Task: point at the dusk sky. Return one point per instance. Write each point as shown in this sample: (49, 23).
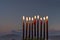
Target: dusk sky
(12, 11)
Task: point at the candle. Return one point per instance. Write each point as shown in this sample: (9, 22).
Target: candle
(46, 27)
(26, 27)
(23, 26)
(29, 26)
(32, 28)
(40, 28)
(35, 26)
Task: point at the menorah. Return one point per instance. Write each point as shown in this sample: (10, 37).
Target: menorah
(35, 28)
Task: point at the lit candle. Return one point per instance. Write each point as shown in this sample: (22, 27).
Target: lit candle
(23, 26)
(26, 27)
(40, 28)
(32, 28)
(46, 27)
(35, 26)
(29, 26)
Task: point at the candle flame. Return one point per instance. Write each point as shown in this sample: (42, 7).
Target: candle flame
(34, 17)
(37, 16)
(46, 17)
(29, 18)
(26, 18)
(43, 18)
(23, 17)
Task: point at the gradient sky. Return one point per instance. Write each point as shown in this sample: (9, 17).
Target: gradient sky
(11, 12)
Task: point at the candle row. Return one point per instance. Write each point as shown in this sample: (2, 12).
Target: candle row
(35, 17)
(36, 21)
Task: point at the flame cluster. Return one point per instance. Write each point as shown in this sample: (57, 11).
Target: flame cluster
(35, 17)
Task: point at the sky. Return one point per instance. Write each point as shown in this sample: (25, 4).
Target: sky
(11, 12)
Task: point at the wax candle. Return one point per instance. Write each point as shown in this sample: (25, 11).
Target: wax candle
(29, 26)
(26, 27)
(35, 26)
(23, 26)
(32, 28)
(40, 28)
(46, 27)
